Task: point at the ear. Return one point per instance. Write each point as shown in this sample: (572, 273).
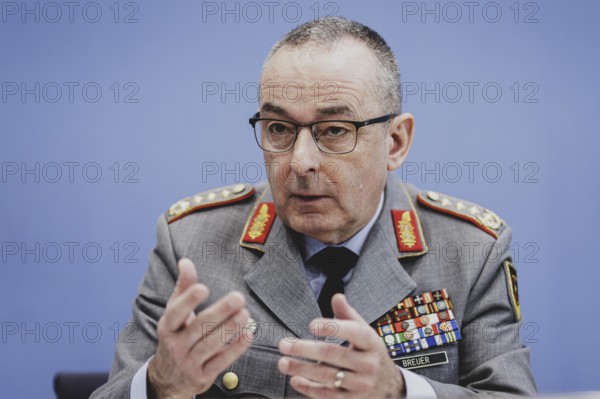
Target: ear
(400, 137)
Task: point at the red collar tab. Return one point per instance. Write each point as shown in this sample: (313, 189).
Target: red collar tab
(260, 225)
(407, 231)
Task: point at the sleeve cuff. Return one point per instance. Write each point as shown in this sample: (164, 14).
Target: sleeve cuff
(417, 387)
(138, 384)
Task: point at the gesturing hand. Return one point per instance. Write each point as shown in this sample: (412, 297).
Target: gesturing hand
(362, 370)
(191, 348)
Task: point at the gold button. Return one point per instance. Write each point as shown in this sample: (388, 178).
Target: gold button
(433, 196)
(230, 380)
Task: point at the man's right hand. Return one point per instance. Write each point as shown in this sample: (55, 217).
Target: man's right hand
(194, 349)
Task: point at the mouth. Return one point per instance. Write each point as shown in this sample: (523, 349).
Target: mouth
(307, 198)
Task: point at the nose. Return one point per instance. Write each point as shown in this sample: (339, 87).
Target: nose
(305, 153)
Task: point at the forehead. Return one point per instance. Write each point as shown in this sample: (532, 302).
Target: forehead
(342, 75)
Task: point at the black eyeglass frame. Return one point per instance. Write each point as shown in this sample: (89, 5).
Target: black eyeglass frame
(256, 118)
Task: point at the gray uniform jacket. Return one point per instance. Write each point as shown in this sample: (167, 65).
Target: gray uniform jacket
(452, 245)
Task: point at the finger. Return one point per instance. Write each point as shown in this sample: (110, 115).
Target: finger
(229, 354)
(179, 308)
(213, 316)
(332, 354)
(191, 317)
(214, 341)
(342, 309)
(315, 389)
(360, 335)
(187, 276)
(318, 372)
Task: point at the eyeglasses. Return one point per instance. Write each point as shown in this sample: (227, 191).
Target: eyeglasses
(331, 137)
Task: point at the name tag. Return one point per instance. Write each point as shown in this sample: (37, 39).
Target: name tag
(417, 362)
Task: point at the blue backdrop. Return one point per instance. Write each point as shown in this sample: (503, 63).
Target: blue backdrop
(111, 111)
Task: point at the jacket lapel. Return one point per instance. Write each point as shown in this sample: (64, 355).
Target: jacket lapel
(379, 281)
(279, 281)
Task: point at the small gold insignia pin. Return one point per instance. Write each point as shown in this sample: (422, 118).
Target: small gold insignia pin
(251, 326)
(238, 188)
(433, 196)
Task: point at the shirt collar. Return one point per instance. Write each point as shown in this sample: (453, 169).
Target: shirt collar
(310, 246)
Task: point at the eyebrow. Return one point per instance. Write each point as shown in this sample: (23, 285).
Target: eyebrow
(272, 108)
(327, 111)
(336, 110)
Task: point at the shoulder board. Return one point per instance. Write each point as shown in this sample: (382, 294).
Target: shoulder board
(481, 217)
(209, 199)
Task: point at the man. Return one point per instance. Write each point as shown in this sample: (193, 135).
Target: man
(239, 298)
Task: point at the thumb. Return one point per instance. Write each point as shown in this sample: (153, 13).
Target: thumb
(187, 276)
(342, 309)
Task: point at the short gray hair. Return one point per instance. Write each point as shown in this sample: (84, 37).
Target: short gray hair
(331, 30)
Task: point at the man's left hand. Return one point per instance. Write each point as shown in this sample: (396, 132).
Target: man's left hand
(362, 369)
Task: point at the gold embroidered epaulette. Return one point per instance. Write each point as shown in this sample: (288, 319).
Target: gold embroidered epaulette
(481, 217)
(209, 199)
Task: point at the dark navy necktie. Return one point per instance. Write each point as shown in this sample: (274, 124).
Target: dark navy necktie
(334, 262)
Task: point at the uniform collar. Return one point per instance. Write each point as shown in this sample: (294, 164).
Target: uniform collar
(311, 246)
(395, 198)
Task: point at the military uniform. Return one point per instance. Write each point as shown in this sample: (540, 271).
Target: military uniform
(434, 279)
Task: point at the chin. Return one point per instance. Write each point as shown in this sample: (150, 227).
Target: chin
(315, 226)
